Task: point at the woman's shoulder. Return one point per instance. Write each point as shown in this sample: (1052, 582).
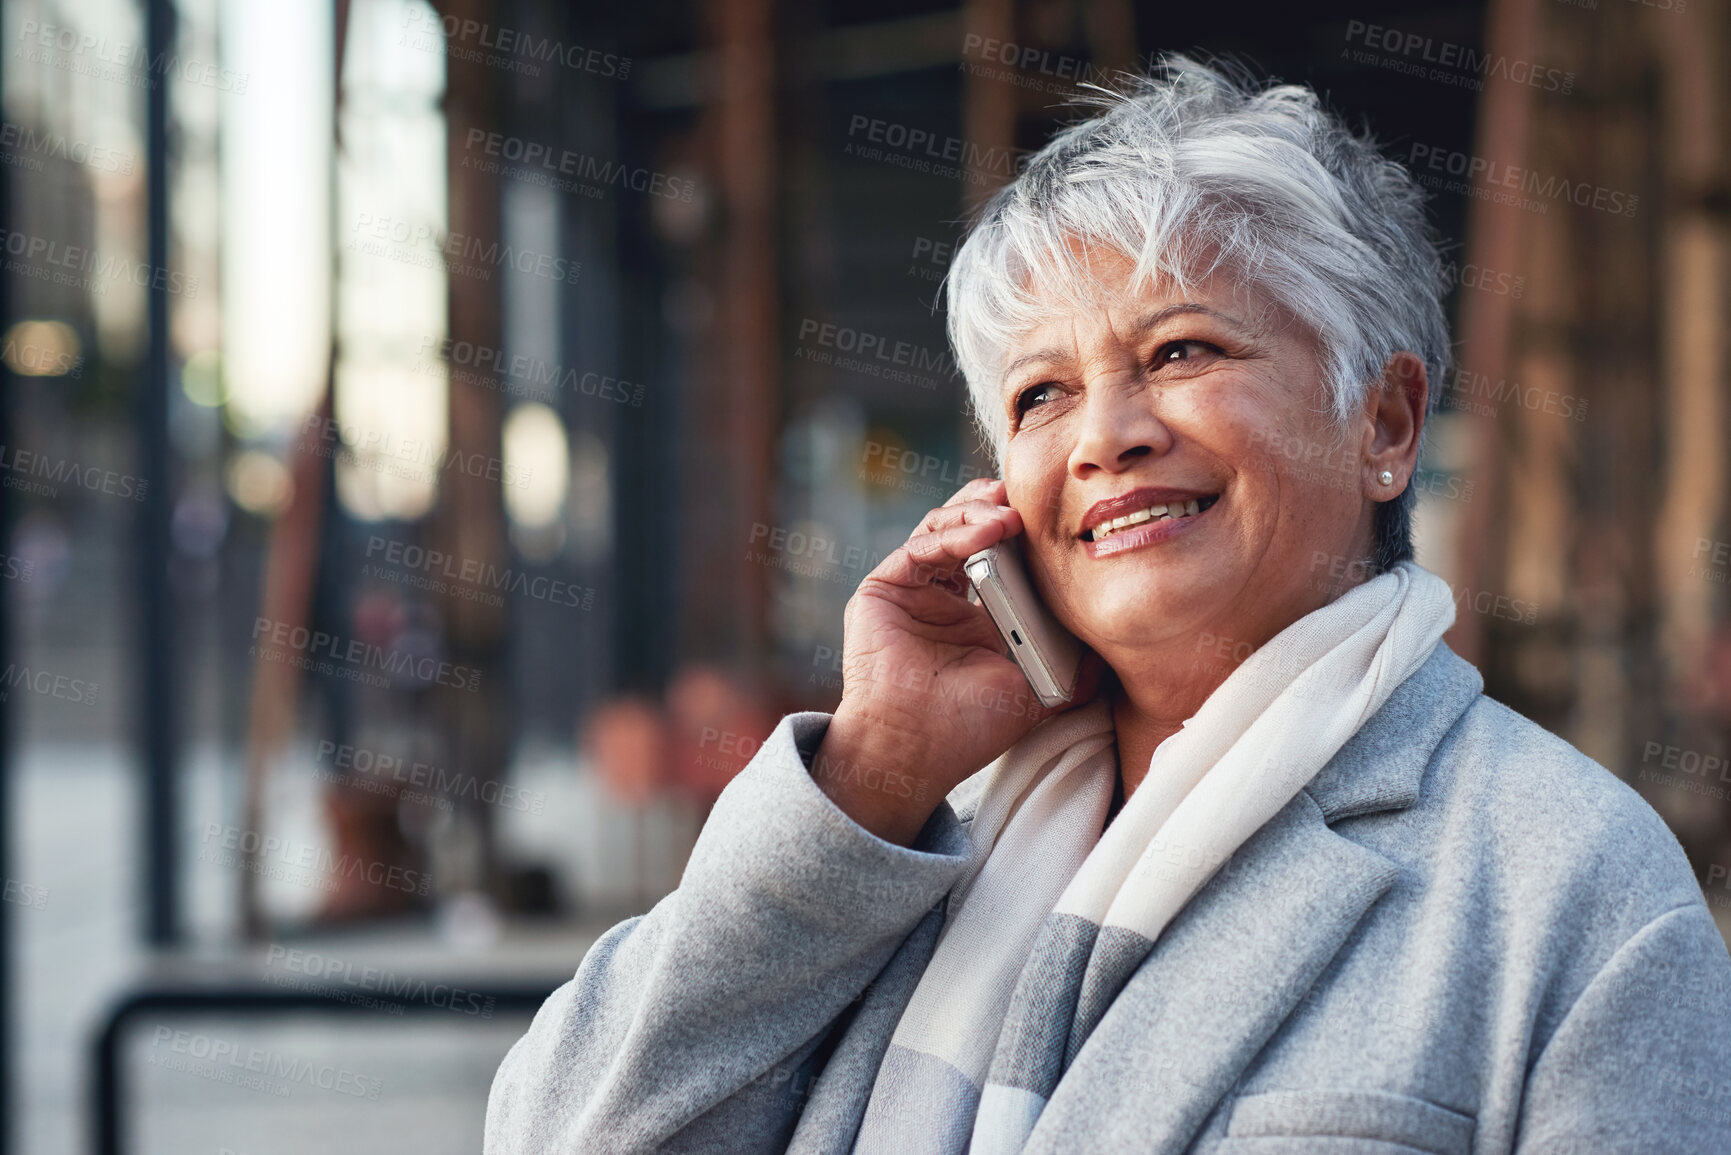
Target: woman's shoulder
(1498, 752)
(1546, 811)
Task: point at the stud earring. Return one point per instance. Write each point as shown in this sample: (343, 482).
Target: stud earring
(1386, 477)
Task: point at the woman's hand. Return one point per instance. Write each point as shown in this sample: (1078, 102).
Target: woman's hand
(928, 696)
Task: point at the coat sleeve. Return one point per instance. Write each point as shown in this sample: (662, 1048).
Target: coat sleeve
(1642, 1061)
(687, 1028)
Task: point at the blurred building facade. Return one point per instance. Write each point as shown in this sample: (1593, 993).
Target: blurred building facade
(564, 368)
(667, 279)
(1596, 398)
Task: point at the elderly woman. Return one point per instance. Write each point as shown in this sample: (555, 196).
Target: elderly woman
(1282, 879)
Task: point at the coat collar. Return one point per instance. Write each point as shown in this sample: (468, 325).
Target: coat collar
(1380, 767)
(1230, 969)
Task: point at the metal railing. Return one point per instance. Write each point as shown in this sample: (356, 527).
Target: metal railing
(108, 1092)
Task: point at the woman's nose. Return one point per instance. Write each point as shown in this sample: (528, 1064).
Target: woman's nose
(1117, 425)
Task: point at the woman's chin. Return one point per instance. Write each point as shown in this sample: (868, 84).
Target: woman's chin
(1151, 611)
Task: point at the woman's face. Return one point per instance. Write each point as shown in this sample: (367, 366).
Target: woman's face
(1209, 410)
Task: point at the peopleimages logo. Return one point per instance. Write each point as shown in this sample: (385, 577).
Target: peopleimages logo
(39, 360)
(78, 266)
(437, 565)
(1031, 59)
(1718, 554)
(117, 60)
(24, 894)
(526, 376)
(873, 345)
(896, 467)
(433, 31)
(251, 1067)
(816, 553)
(922, 150)
(236, 845)
(581, 166)
(1028, 67)
(409, 456)
(38, 473)
(461, 254)
(1459, 58)
(58, 146)
(870, 354)
(358, 760)
(46, 683)
(930, 259)
(1339, 567)
(1529, 182)
(327, 969)
(1465, 391)
(1471, 276)
(310, 645)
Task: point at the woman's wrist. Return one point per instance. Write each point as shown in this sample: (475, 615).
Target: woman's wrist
(875, 775)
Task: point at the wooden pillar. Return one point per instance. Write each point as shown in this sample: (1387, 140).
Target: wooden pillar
(1692, 314)
(1493, 241)
(733, 409)
(291, 563)
(469, 520)
(988, 103)
(1112, 36)
(988, 124)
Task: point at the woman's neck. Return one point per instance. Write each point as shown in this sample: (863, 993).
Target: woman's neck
(1155, 689)
(1156, 708)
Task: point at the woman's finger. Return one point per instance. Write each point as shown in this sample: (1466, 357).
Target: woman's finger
(938, 555)
(976, 510)
(959, 541)
(980, 489)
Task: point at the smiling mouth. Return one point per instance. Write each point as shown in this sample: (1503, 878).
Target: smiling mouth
(1159, 511)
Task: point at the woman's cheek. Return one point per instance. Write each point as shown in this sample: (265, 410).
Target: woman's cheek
(1035, 468)
(1020, 492)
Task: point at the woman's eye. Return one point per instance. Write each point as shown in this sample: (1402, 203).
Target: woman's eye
(1035, 395)
(1179, 352)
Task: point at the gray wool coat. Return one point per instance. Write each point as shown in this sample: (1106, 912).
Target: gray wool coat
(1464, 936)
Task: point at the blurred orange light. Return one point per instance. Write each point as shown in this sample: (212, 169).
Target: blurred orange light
(42, 349)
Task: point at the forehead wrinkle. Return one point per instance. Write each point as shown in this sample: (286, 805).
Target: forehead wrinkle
(1050, 354)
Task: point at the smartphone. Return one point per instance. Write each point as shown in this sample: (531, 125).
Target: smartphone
(1049, 654)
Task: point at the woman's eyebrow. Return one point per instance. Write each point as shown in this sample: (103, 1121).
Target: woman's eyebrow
(1142, 325)
(1160, 316)
(1052, 354)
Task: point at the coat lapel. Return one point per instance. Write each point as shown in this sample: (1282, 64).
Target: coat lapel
(1217, 985)
(1238, 959)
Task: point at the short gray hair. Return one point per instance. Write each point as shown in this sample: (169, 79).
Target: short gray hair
(1199, 167)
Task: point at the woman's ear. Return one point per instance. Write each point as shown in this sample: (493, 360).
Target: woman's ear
(1396, 409)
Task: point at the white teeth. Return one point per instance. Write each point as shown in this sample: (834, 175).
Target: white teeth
(1152, 513)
